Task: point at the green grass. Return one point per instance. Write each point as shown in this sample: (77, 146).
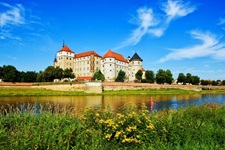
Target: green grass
(29, 91)
(195, 127)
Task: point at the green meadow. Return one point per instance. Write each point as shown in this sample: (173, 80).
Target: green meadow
(55, 127)
(29, 91)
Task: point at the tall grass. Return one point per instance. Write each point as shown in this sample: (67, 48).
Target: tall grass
(56, 127)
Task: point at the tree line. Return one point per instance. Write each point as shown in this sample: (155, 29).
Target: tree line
(9, 73)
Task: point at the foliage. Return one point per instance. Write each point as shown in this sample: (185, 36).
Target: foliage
(55, 127)
(169, 76)
(188, 78)
(223, 82)
(149, 76)
(215, 83)
(161, 76)
(68, 73)
(98, 76)
(138, 75)
(181, 78)
(195, 80)
(120, 76)
(10, 73)
(206, 82)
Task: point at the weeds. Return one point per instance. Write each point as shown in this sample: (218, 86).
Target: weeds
(59, 127)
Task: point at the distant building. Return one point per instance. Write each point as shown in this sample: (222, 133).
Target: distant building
(85, 64)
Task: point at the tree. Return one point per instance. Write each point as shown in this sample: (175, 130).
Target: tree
(58, 73)
(40, 77)
(10, 74)
(169, 76)
(30, 76)
(48, 74)
(149, 76)
(214, 83)
(161, 76)
(223, 82)
(138, 75)
(188, 78)
(68, 73)
(98, 76)
(121, 76)
(181, 78)
(1, 72)
(195, 80)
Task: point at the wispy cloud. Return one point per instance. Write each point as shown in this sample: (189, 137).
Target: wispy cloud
(13, 16)
(221, 21)
(210, 47)
(156, 24)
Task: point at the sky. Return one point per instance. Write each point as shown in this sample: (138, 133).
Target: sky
(179, 35)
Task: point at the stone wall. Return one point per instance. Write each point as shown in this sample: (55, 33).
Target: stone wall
(89, 87)
(145, 86)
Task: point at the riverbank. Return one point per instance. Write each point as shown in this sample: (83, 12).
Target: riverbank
(98, 129)
(32, 91)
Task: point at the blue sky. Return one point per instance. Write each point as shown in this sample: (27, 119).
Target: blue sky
(183, 36)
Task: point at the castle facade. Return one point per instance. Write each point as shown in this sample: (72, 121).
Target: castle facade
(85, 64)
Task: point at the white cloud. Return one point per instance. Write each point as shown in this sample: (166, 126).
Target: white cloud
(221, 21)
(156, 24)
(13, 16)
(209, 47)
(176, 9)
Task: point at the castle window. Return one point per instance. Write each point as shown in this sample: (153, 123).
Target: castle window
(138, 62)
(67, 58)
(102, 65)
(110, 70)
(132, 62)
(110, 59)
(110, 64)
(87, 68)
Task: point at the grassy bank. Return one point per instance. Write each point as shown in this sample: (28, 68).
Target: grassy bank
(28, 91)
(59, 128)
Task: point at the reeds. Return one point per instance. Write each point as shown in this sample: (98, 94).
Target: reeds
(59, 127)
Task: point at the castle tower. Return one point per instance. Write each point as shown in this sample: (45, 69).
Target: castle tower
(135, 64)
(65, 58)
(111, 64)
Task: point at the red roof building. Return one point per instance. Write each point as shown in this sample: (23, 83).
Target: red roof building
(111, 54)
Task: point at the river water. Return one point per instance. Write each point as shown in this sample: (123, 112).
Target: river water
(115, 102)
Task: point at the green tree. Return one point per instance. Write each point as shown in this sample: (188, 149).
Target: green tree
(161, 76)
(58, 73)
(195, 80)
(98, 76)
(1, 72)
(30, 76)
(223, 82)
(169, 76)
(68, 73)
(149, 76)
(10, 73)
(40, 77)
(138, 75)
(214, 83)
(181, 78)
(121, 76)
(188, 78)
(48, 74)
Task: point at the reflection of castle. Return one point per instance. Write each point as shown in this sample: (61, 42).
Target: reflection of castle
(85, 64)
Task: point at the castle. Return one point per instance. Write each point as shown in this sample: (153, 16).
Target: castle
(85, 64)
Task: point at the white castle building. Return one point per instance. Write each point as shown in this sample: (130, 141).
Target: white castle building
(85, 64)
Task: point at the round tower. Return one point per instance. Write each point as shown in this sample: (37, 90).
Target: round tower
(135, 64)
(65, 58)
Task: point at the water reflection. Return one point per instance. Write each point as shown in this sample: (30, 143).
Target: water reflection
(115, 101)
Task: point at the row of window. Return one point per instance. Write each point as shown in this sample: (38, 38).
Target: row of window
(80, 69)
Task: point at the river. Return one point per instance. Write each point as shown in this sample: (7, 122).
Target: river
(115, 102)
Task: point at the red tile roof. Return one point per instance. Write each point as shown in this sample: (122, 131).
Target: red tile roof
(66, 49)
(86, 54)
(142, 69)
(82, 78)
(111, 54)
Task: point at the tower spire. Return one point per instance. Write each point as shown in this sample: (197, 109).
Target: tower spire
(63, 43)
